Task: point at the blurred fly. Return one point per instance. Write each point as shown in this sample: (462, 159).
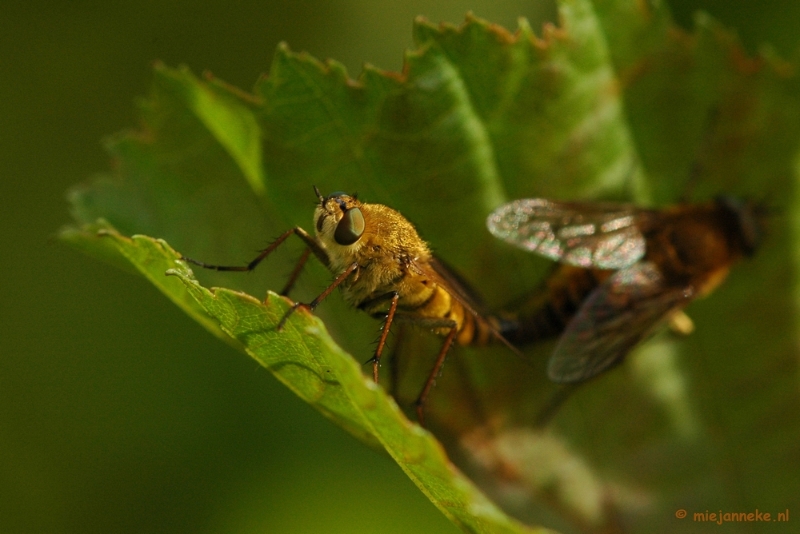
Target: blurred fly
(384, 268)
(624, 271)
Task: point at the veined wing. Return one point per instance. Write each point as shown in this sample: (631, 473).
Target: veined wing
(615, 317)
(464, 292)
(585, 234)
(460, 290)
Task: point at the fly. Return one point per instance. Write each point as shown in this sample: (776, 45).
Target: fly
(623, 271)
(383, 267)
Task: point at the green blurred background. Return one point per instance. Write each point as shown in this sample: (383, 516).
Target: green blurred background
(117, 412)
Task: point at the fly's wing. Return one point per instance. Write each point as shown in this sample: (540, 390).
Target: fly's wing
(436, 271)
(464, 292)
(459, 289)
(615, 317)
(585, 234)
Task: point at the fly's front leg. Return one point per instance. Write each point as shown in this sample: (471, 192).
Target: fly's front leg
(353, 267)
(254, 263)
(311, 244)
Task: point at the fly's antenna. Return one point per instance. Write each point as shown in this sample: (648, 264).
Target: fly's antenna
(319, 195)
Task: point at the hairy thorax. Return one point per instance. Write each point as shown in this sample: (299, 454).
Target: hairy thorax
(386, 256)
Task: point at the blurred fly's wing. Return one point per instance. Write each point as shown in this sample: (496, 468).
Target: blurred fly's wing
(615, 317)
(602, 235)
(464, 292)
(458, 288)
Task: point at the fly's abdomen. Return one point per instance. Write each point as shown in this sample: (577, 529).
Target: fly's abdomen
(476, 329)
(442, 312)
(546, 314)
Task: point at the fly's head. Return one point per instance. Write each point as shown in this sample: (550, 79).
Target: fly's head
(340, 225)
(747, 220)
(373, 235)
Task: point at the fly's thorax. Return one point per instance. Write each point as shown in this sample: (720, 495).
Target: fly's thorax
(696, 244)
(383, 243)
(418, 295)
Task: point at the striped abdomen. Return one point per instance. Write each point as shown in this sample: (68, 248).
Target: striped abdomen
(547, 314)
(441, 311)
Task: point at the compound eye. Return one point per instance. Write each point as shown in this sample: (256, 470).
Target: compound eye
(350, 228)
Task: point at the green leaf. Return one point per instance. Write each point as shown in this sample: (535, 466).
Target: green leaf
(614, 103)
(308, 361)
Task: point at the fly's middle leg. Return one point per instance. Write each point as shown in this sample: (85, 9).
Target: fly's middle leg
(393, 298)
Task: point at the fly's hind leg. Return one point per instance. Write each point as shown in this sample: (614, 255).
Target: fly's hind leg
(433, 323)
(426, 322)
(394, 361)
(553, 404)
(437, 368)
